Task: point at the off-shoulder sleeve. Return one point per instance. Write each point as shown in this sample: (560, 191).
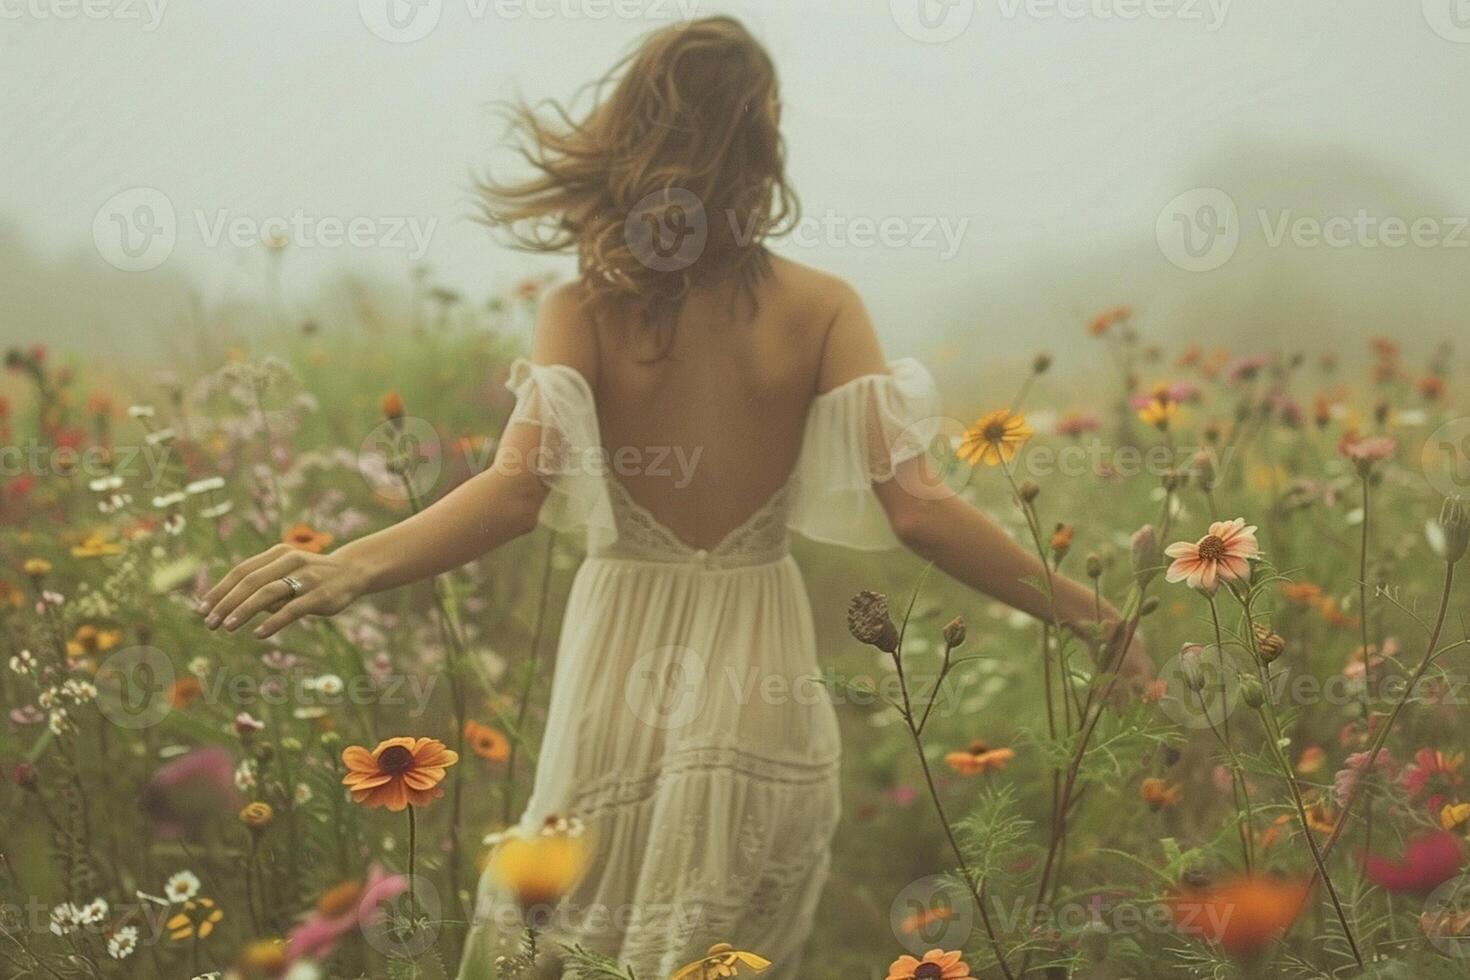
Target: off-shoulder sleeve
(856, 435)
(557, 399)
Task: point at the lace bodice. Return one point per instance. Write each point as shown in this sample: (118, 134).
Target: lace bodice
(856, 435)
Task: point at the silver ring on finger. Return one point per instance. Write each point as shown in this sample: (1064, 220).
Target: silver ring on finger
(294, 584)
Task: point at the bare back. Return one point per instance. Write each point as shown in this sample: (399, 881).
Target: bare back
(704, 436)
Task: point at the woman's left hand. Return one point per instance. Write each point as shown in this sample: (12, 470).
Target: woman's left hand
(285, 581)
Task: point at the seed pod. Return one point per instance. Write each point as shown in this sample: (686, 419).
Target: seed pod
(1270, 645)
(1252, 693)
(954, 632)
(1094, 566)
(1029, 490)
(868, 621)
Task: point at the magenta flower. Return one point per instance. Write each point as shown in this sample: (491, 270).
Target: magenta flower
(1428, 862)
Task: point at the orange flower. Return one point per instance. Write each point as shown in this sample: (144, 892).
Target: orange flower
(1224, 553)
(392, 406)
(185, 691)
(1321, 817)
(486, 742)
(304, 537)
(1304, 593)
(978, 758)
(400, 772)
(1159, 794)
(1310, 760)
(89, 639)
(1159, 411)
(994, 438)
(936, 965)
(1061, 540)
(1242, 916)
(1431, 387)
(1104, 321)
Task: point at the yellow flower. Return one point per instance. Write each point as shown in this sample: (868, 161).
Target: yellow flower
(36, 567)
(994, 438)
(95, 545)
(1158, 794)
(722, 960)
(1453, 815)
(89, 639)
(198, 919)
(1159, 412)
(538, 870)
(257, 815)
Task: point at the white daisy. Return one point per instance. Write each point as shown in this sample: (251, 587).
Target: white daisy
(121, 944)
(183, 886)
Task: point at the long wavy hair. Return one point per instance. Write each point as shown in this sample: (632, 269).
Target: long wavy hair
(674, 178)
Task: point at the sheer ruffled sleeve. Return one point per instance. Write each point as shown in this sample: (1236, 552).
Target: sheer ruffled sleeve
(856, 435)
(557, 399)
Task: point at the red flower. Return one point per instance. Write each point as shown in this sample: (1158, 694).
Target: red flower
(1242, 916)
(1428, 862)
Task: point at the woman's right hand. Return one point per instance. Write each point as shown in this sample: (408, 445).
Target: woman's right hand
(327, 585)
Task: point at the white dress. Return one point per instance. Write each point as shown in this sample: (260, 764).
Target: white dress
(686, 727)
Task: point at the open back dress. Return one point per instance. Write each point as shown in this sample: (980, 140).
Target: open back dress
(686, 729)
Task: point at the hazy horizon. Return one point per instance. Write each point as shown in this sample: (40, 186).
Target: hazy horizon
(1028, 167)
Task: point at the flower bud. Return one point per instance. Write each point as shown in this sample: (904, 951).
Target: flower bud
(1252, 693)
(1143, 551)
(1028, 491)
(868, 621)
(1041, 364)
(1454, 518)
(1094, 566)
(1149, 606)
(954, 632)
(1269, 644)
(1190, 670)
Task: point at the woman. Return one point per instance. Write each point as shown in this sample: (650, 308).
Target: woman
(690, 399)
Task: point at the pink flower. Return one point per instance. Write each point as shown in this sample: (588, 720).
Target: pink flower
(1367, 451)
(1078, 423)
(1428, 862)
(183, 794)
(340, 910)
(1224, 553)
(1345, 782)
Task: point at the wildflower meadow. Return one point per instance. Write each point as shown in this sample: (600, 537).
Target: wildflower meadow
(1277, 790)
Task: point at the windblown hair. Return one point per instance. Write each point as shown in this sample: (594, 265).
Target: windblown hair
(690, 119)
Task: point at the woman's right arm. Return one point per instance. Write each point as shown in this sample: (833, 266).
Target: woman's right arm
(487, 511)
